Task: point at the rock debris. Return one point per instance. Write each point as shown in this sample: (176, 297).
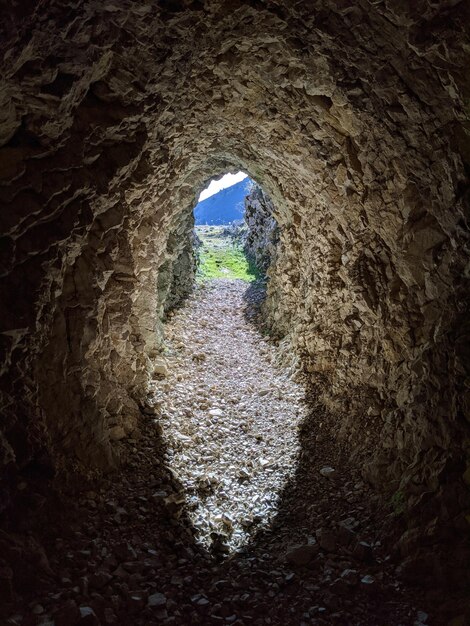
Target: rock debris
(230, 416)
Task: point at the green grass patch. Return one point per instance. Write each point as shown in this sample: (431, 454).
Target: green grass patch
(225, 263)
(220, 258)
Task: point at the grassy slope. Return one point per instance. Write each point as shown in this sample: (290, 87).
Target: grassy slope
(220, 258)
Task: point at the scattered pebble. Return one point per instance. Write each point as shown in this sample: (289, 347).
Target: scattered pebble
(253, 439)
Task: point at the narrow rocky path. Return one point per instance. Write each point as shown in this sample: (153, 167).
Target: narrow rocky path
(230, 413)
(225, 511)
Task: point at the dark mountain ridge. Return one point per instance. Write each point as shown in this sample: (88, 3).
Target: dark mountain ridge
(223, 207)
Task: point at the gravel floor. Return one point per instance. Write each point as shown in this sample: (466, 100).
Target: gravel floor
(231, 415)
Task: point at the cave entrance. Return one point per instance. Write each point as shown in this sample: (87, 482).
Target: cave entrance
(221, 230)
(230, 411)
(236, 232)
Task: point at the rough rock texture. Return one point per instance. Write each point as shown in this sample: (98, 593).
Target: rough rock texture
(352, 116)
(262, 234)
(176, 276)
(232, 444)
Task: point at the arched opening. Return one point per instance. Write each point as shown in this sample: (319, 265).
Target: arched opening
(219, 223)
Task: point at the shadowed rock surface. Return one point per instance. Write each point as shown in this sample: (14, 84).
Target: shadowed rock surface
(262, 234)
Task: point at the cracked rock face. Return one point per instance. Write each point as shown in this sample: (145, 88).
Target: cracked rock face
(354, 119)
(262, 230)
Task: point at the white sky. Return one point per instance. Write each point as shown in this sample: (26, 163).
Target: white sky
(216, 185)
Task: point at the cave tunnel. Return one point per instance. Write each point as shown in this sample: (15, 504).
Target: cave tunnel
(353, 117)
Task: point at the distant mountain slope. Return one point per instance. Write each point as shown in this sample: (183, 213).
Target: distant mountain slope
(223, 207)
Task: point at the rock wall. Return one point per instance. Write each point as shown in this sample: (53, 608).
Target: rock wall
(176, 276)
(354, 119)
(262, 233)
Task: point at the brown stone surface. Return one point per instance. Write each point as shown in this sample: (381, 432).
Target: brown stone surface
(262, 237)
(352, 116)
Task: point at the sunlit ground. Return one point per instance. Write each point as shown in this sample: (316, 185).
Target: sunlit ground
(221, 257)
(230, 416)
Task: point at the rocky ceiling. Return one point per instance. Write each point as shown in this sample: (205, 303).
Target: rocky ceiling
(352, 116)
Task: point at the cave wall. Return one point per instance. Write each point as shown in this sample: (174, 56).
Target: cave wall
(354, 119)
(176, 277)
(262, 234)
